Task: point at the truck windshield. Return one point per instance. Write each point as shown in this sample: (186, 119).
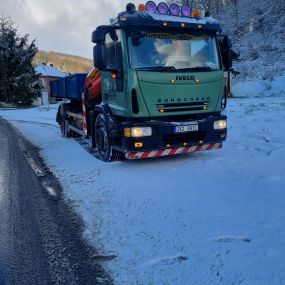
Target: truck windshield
(168, 52)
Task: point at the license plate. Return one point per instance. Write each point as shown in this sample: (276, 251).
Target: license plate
(185, 129)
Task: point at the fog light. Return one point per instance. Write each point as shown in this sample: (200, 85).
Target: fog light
(223, 136)
(220, 125)
(138, 144)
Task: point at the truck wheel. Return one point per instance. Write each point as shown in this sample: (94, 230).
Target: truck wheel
(64, 122)
(102, 139)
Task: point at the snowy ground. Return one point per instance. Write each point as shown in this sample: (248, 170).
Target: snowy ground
(216, 217)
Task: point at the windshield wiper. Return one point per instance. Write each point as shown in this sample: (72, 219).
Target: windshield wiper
(157, 68)
(197, 68)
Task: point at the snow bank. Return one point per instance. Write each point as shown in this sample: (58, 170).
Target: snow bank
(216, 217)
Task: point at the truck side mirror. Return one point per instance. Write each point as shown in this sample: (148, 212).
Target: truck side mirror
(228, 59)
(227, 43)
(227, 53)
(98, 36)
(113, 35)
(99, 56)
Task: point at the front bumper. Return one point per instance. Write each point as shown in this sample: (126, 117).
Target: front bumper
(164, 136)
(171, 151)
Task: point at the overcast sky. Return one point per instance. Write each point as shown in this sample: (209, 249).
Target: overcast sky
(61, 25)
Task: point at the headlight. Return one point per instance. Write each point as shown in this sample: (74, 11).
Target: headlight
(137, 132)
(220, 125)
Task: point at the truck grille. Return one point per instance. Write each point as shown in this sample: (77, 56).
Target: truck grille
(182, 107)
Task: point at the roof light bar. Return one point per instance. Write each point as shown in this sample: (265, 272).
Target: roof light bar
(196, 13)
(150, 6)
(174, 9)
(162, 8)
(130, 7)
(141, 7)
(186, 11)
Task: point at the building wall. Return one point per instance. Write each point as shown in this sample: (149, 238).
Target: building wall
(45, 84)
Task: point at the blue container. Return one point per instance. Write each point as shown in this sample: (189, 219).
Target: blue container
(69, 87)
(53, 88)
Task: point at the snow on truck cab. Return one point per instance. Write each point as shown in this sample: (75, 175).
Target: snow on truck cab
(157, 87)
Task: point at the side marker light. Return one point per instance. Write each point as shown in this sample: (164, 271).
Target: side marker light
(196, 13)
(127, 132)
(141, 7)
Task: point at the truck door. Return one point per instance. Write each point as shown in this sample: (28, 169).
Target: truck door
(113, 83)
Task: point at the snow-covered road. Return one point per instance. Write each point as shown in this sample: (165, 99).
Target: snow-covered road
(215, 217)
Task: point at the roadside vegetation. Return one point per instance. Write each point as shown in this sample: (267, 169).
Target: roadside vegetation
(18, 80)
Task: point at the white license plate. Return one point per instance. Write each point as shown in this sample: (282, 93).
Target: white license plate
(185, 129)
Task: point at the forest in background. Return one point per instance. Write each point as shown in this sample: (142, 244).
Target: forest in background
(64, 62)
(256, 29)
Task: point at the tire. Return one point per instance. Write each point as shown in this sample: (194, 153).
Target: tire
(101, 139)
(63, 122)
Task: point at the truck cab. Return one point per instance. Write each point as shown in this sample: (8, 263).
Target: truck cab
(162, 82)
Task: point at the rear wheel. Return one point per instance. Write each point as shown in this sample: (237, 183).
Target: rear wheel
(63, 122)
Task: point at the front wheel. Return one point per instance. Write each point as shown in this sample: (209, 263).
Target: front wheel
(102, 139)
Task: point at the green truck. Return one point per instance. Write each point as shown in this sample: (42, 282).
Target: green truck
(157, 88)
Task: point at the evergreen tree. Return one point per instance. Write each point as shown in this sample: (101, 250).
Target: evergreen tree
(18, 80)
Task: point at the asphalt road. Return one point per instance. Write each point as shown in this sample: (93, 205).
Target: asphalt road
(40, 235)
